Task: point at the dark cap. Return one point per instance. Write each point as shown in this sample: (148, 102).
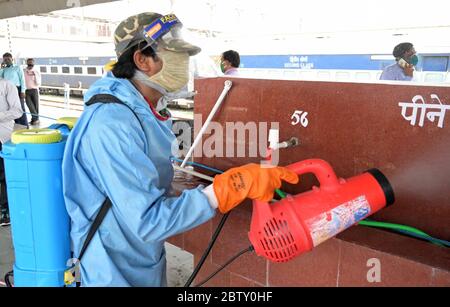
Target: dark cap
(130, 32)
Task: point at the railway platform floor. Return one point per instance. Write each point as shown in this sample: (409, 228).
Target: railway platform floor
(180, 263)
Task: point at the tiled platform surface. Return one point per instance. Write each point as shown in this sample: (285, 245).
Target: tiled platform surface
(6, 251)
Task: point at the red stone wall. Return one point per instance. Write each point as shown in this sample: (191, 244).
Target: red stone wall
(353, 126)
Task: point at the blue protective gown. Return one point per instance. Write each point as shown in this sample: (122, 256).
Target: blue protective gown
(108, 153)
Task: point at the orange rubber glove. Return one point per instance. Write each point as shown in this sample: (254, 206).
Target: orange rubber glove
(249, 181)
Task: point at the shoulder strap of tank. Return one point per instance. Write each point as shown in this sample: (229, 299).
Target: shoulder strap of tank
(102, 98)
(107, 98)
(95, 225)
(69, 277)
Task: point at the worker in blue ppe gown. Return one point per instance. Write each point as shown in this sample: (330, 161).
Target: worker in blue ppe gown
(122, 152)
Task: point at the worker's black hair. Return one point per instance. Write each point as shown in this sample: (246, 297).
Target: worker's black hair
(125, 67)
(232, 57)
(30, 59)
(400, 49)
(8, 55)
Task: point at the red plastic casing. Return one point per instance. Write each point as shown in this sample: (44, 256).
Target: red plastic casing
(295, 224)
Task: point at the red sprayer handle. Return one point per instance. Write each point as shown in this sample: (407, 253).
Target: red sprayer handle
(321, 169)
(276, 231)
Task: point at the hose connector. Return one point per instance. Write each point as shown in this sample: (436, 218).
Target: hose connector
(293, 141)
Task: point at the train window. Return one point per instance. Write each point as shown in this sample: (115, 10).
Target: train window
(259, 73)
(435, 63)
(434, 77)
(54, 69)
(362, 76)
(290, 74)
(65, 70)
(78, 70)
(306, 75)
(43, 69)
(447, 79)
(323, 75)
(92, 70)
(274, 74)
(342, 75)
(26, 26)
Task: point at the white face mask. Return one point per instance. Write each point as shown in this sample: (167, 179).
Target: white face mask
(174, 74)
(167, 96)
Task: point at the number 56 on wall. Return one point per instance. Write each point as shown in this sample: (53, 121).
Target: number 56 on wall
(299, 117)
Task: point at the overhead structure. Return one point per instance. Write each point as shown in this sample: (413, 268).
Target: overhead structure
(14, 8)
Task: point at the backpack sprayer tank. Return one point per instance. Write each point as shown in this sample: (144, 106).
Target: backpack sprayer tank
(39, 221)
(295, 224)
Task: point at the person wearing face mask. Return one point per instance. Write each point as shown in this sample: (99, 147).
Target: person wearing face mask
(229, 63)
(405, 61)
(14, 74)
(117, 169)
(32, 81)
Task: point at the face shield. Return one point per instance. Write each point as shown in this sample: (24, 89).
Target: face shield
(166, 33)
(163, 33)
(165, 28)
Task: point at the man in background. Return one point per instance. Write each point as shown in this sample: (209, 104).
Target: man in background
(403, 68)
(32, 81)
(14, 74)
(229, 63)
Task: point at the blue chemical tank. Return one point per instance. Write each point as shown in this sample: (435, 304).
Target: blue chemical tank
(40, 224)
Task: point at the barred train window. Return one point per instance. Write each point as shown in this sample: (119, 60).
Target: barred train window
(92, 70)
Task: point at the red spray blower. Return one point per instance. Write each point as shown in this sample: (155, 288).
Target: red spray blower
(296, 224)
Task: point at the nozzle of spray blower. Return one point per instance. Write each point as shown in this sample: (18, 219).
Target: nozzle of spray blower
(295, 224)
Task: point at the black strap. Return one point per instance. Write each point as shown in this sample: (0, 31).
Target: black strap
(107, 98)
(102, 98)
(95, 225)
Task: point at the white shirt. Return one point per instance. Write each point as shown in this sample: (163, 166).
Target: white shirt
(10, 109)
(32, 78)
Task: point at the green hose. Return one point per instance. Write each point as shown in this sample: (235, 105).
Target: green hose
(414, 232)
(408, 230)
(281, 193)
(393, 226)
